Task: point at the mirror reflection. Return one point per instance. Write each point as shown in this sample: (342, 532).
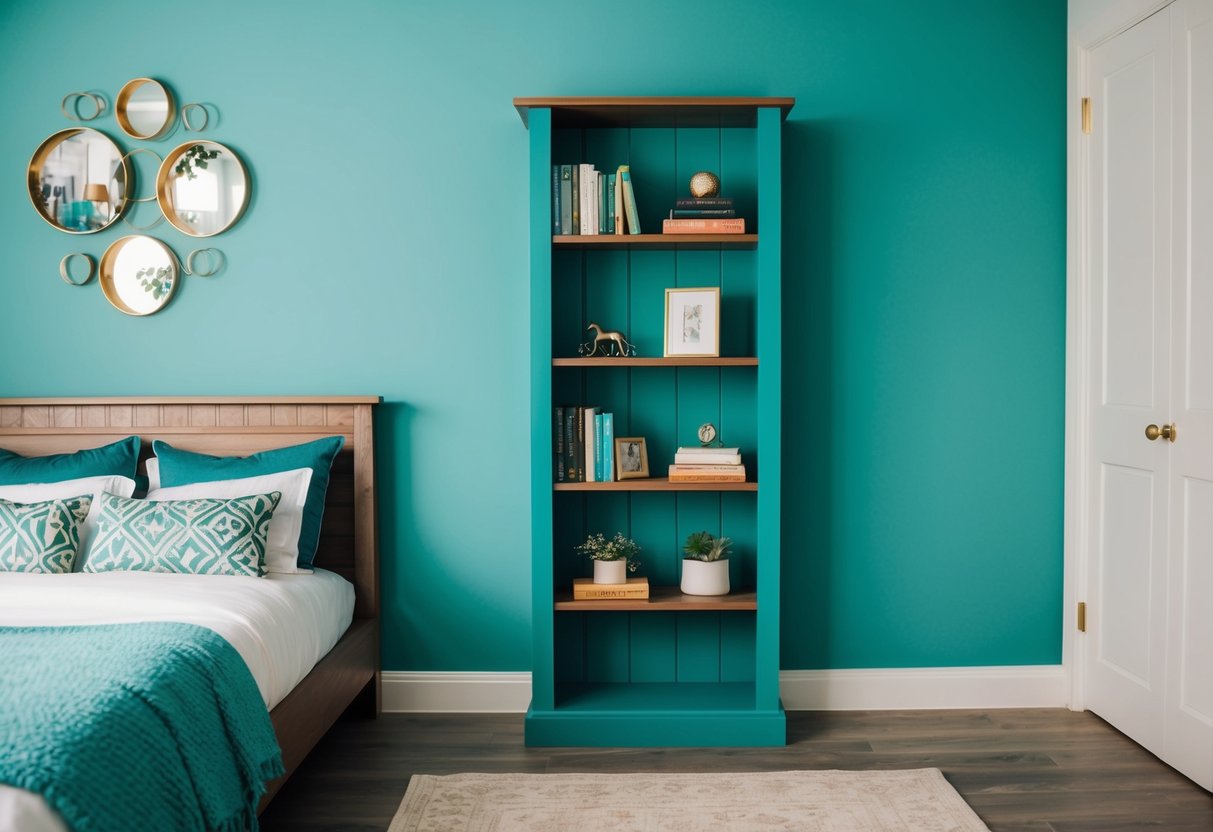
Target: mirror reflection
(202, 188)
(138, 275)
(78, 180)
(144, 108)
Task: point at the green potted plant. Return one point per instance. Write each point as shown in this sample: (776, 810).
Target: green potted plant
(613, 557)
(705, 569)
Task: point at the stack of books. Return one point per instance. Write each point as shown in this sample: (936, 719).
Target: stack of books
(636, 589)
(708, 215)
(698, 464)
(588, 201)
(583, 444)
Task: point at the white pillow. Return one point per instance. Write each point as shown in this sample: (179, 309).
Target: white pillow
(282, 543)
(39, 492)
(153, 474)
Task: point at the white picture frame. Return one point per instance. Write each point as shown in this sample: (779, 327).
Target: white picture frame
(692, 322)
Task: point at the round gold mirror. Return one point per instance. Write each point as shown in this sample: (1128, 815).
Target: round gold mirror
(78, 180)
(202, 188)
(138, 275)
(144, 108)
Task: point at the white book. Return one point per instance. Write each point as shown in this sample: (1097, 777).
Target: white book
(590, 441)
(589, 182)
(706, 459)
(699, 449)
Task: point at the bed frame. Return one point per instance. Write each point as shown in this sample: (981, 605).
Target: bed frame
(228, 426)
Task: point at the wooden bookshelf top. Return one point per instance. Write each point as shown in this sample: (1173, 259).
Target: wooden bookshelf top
(655, 484)
(616, 361)
(656, 111)
(661, 598)
(656, 240)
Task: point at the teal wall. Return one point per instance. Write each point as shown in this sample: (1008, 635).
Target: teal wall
(385, 252)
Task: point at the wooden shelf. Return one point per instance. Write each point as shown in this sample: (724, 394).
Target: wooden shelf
(653, 111)
(655, 484)
(661, 598)
(655, 240)
(613, 361)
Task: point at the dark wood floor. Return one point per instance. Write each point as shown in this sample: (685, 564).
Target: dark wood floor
(1021, 770)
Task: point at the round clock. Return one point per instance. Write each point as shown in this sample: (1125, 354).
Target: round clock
(707, 433)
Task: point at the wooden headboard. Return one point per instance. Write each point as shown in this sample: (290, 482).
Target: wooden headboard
(232, 426)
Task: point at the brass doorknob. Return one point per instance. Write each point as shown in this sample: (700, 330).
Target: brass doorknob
(1167, 432)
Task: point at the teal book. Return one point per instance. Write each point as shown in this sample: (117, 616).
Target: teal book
(629, 204)
(611, 204)
(566, 199)
(608, 447)
(602, 204)
(575, 227)
(599, 471)
(555, 199)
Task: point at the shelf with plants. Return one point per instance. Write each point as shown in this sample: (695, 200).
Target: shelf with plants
(662, 599)
(673, 669)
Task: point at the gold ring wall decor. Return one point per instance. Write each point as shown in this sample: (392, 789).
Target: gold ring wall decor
(138, 275)
(73, 112)
(203, 188)
(65, 269)
(190, 125)
(144, 108)
(78, 180)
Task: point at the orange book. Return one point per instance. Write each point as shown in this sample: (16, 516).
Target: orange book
(678, 473)
(718, 226)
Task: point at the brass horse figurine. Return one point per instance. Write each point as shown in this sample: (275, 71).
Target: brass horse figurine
(608, 341)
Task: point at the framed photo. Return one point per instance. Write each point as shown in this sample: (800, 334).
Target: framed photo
(692, 322)
(631, 458)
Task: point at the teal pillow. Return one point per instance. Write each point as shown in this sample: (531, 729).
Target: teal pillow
(199, 537)
(41, 537)
(178, 467)
(119, 459)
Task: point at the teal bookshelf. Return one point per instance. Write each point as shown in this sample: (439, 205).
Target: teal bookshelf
(676, 670)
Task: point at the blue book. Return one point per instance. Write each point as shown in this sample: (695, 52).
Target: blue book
(608, 447)
(566, 199)
(599, 472)
(611, 204)
(555, 199)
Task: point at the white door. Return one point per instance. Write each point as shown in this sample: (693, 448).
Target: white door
(1129, 257)
(1189, 707)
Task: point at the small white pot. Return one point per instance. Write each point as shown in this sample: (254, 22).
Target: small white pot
(610, 571)
(701, 577)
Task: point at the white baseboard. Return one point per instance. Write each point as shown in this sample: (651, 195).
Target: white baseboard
(801, 690)
(923, 688)
(446, 693)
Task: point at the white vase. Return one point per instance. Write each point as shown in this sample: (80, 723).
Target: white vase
(610, 571)
(700, 577)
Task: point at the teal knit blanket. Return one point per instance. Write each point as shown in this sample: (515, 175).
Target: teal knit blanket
(132, 727)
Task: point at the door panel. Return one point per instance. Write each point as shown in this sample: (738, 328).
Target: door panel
(1129, 256)
(1189, 708)
(1123, 640)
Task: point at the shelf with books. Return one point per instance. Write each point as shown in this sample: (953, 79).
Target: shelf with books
(610, 361)
(654, 484)
(656, 241)
(662, 599)
(596, 666)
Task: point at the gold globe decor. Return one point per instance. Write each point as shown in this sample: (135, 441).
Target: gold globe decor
(705, 184)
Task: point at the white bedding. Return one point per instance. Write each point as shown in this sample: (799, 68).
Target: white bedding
(281, 625)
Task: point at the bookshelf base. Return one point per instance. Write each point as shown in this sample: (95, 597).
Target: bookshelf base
(647, 715)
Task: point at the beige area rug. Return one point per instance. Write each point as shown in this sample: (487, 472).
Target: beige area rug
(919, 800)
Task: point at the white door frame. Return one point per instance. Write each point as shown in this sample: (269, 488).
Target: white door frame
(1109, 20)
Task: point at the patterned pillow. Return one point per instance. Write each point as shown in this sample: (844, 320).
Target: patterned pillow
(201, 537)
(41, 537)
